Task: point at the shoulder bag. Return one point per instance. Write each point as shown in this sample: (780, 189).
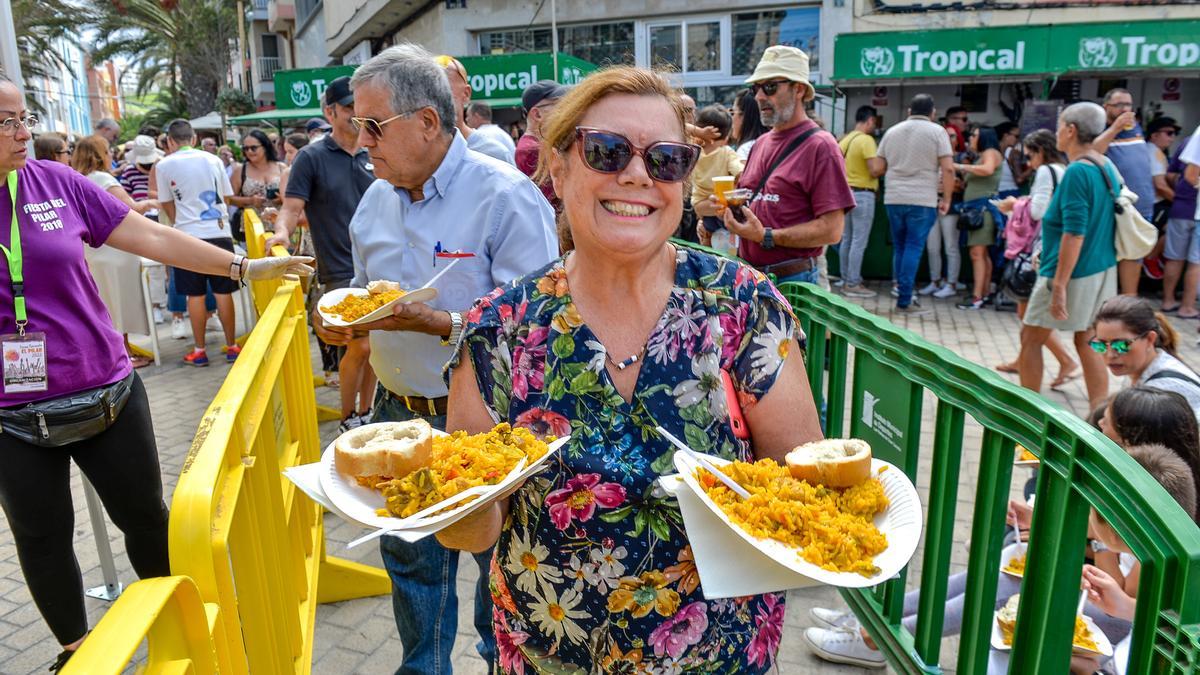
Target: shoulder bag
(791, 147)
(1134, 236)
(236, 227)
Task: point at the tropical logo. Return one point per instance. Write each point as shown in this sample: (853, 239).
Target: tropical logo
(877, 61)
(301, 94)
(1097, 52)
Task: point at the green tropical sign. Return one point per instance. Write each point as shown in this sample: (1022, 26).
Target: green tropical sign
(1018, 50)
(506, 75)
(305, 87)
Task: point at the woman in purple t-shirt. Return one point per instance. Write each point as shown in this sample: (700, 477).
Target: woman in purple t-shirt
(66, 346)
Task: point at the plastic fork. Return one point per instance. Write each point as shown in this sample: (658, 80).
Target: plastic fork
(429, 284)
(729, 482)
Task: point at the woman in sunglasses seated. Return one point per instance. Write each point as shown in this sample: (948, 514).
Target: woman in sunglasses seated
(1136, 340)
(593, 569)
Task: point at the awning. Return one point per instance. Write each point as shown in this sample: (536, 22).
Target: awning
(276, 115)
(210, 122)
(497, 103)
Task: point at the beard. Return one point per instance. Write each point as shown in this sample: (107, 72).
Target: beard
(782, 113)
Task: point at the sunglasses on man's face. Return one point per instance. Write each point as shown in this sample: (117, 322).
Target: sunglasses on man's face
(1120, 346)
(373, 126)
(608, 152)
(768, 88)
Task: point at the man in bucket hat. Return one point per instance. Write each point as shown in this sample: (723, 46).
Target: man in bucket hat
(796, 175)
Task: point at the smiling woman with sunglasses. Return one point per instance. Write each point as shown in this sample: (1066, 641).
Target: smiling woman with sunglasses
(1135, 340)
(594, 570)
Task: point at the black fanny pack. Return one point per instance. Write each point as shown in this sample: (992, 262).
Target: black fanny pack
(72, 418)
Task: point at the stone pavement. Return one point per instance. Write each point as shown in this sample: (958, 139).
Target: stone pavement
(359, 636)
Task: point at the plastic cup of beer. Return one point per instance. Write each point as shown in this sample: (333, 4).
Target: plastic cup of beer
(721, 185)
(735, 199)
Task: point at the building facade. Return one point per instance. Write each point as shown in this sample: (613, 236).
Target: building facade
(269, 25)
(1019, 63)
(62, 95)
(711, 46)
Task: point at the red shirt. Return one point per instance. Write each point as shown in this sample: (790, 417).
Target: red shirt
(528, 149)
(809, 183)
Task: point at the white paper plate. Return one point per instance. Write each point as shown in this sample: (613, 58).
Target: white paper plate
(338, 294)
(1103, 645)
(1010, 553)
(360, 503)
(900, 522)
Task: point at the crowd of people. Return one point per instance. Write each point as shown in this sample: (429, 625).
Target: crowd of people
(575, 313)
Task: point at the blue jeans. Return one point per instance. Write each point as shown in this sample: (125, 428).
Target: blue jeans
(910, 228)
(424, 599)
(807, 277)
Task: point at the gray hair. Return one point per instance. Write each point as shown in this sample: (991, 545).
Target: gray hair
(414, 79)
(107, 123)
(1088, 119)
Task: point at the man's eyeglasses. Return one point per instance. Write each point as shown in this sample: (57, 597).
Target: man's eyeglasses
(375, 127)
(769, 88)
(1120, 346)
(10, 124)
(608, 152)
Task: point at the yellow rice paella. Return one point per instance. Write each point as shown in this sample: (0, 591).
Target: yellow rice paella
(834, 528)
(459, 462)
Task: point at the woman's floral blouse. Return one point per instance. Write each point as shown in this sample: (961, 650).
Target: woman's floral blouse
(593, 571)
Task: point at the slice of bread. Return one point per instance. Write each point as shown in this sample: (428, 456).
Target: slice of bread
(1006, 617)
(388, 449)
(833, 462)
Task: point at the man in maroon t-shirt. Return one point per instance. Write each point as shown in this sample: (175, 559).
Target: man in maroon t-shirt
(538, 99)
(805, 198)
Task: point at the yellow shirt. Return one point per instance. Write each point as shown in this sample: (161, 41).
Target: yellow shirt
(857, 148)
(723, 161)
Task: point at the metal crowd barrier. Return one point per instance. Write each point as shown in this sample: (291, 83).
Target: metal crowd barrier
(249, 541)
(1080, 469)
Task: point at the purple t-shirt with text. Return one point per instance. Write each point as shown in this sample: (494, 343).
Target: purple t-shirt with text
(58, 212)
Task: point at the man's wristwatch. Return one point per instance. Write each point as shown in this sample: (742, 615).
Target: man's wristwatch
(768, 238)
(456, 327)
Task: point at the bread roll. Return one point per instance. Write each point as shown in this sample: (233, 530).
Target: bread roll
(1006, 617)
(388, 449)
(834, 462)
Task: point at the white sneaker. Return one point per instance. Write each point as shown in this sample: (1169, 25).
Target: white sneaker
(930, 289)
(213, 323)
(895, 291)
(946, 291)
(178, 329)
(843, 646)
(834, 618)
(159, 317)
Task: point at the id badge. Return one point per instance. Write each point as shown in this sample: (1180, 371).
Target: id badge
(24, 362)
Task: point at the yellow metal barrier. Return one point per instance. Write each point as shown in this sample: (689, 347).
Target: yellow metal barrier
(263, 291)
(183, 634)
(251, 542)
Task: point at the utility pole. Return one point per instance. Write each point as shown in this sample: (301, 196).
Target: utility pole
(241, 19)
(10, 58)
(554, 36)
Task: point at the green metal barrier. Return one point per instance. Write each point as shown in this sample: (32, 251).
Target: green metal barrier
(1080, 469)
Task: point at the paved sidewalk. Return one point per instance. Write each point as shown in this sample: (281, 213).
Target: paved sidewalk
(359, 636)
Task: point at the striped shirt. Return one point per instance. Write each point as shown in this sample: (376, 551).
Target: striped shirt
(136, 183)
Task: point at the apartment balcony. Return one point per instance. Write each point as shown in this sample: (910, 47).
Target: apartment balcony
(281, 15)
(267, 65)
(258, 9)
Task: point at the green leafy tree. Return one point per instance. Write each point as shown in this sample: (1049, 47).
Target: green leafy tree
(179, 49)
(40, 24)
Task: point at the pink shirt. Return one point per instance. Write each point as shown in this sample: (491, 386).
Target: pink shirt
(58, 211)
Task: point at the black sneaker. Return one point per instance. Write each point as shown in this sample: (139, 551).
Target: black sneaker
(61, 660)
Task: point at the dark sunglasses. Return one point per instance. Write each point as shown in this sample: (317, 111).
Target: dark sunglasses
(768, 88)
(608, 152)
(1119, 346)
(248, 148)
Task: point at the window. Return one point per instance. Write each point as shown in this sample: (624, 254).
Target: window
(270, 45)
(305, 9)
(689, 46)
(602, 44)
(753, 32)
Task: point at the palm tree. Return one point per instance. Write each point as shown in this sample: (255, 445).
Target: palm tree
(40, 24)
(180, 49)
